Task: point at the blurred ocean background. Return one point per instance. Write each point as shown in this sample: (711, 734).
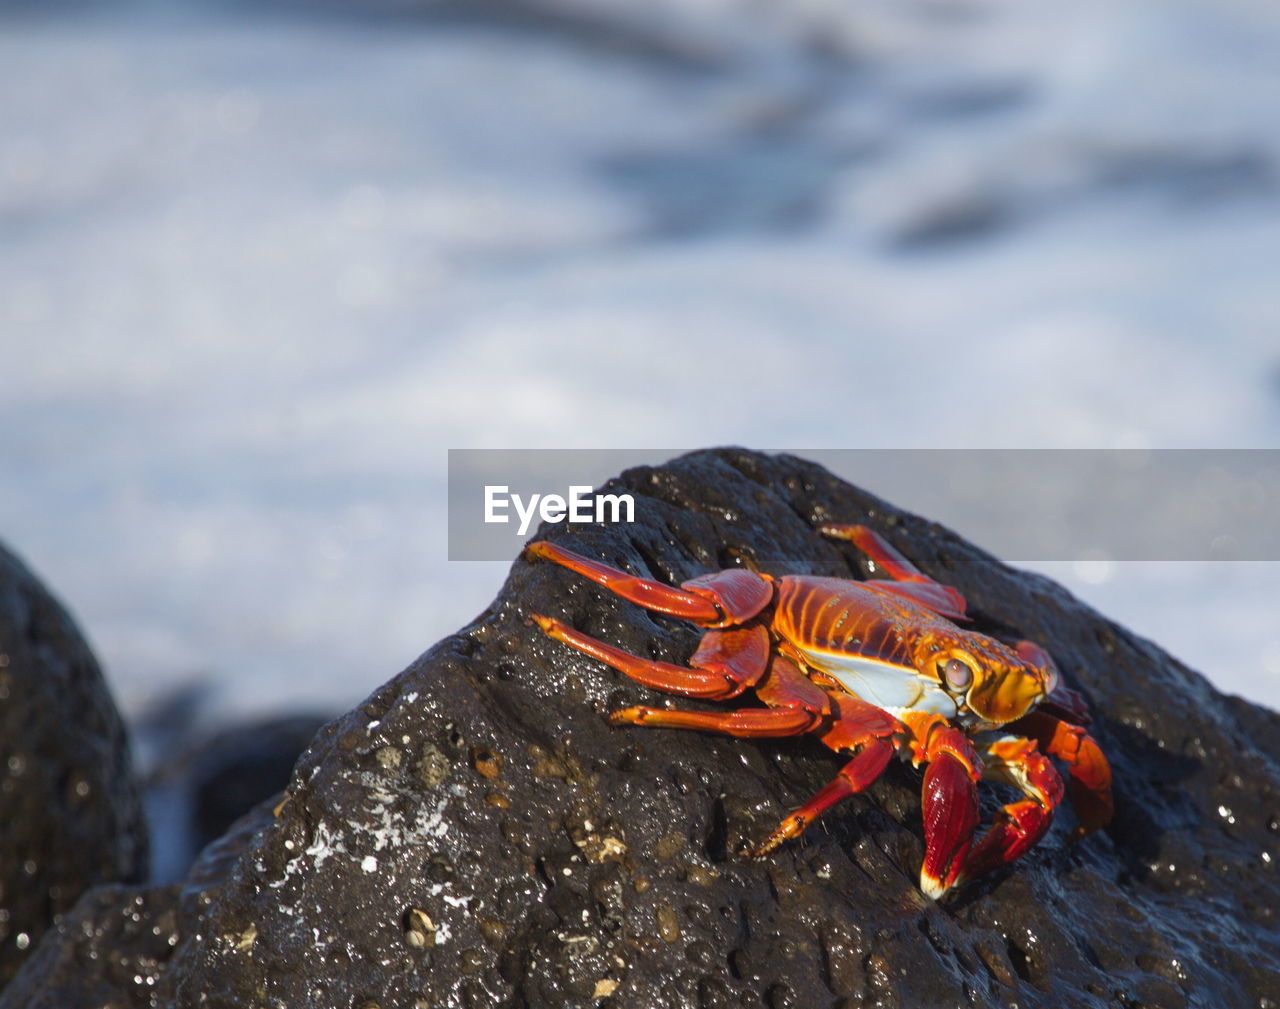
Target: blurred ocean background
(261, 265)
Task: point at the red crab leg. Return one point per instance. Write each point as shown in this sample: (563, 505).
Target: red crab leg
(854, 725)
(727, 662)
(908, 580)
(949, 797)
(1089, 785)
(795, 705)
(856, 775)
(748, 722)
(645, 591)
(1021, 824)
(719, 599)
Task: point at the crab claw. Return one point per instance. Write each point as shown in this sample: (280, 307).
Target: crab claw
(1089, 784)
(1019, 825)
(950, 817)
(1017, 828)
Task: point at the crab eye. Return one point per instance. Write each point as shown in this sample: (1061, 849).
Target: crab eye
(958, 674)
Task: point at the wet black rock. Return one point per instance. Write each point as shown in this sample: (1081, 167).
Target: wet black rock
(69, 811)
(107, 952)
(475, 834)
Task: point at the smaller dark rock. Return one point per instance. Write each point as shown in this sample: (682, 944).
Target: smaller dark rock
(69, 808)
(128, 935)
(241, 766)
(194, 794)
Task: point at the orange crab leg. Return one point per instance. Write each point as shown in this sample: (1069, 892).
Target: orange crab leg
(749, 722)
(728, 661)
(856, 775)
(648, 593)
(719, 599)
(908, 580)
(1019, 825)
(1089, 786)
(854, 725)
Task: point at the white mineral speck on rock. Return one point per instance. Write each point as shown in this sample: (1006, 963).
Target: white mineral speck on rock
(369, 864)
(324, 845)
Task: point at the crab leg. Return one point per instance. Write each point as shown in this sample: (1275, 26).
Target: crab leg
(856, 775)
(747, 723)
(908, 580)
(1089, 785)
(854, 725)
(795, 705)
(719, 599)
(1016, 761)
(648, 593)
(725, 664)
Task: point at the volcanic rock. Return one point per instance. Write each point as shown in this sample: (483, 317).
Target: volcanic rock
(70, 816)
(475, 834)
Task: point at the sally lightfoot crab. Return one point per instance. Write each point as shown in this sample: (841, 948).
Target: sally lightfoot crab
(872, 669)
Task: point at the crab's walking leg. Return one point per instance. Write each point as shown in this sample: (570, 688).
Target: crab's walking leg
(795, 706)
(715, 600)
(856, 775)
(854, 726)
(1089, 785)
(748, 722)
(908, 580)
(725, 664)
(1016, 761)
(949, 798)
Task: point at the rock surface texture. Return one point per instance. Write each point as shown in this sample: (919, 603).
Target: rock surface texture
(476, 835)
(70, 816)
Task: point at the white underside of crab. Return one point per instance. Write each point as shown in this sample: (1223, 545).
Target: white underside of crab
(887, 686)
